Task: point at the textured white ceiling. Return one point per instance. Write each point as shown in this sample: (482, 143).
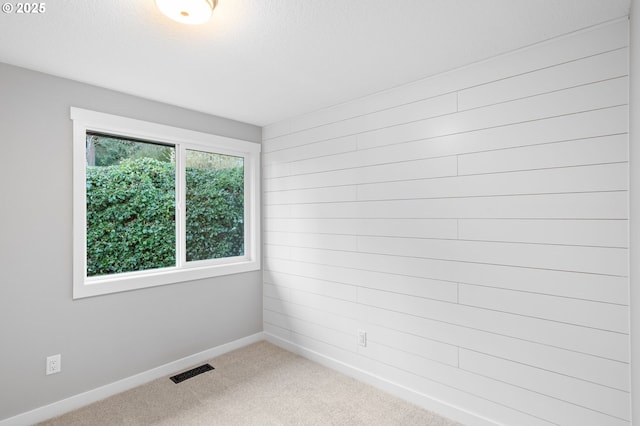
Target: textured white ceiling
(261, 61)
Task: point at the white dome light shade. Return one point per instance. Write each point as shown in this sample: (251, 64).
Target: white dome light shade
(187, 11)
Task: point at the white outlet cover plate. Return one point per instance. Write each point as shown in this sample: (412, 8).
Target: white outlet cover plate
(53, 364)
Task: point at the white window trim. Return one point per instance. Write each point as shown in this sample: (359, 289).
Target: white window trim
(86, 120)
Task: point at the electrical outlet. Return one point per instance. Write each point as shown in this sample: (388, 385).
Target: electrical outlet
(54, 364)
(362, 338)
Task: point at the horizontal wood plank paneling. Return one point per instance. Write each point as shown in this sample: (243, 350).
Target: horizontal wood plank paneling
(313, 195)
(525, 400)
(603, 233)
(598, 150)
(326, 148)
(279, 312)
(427, 348)
(420, 228)
(389, 281)
(589, 124)
(312, 285)
(347, 242)
(609, 93)
(588, 395)
(598, 178)
(597, 260)
(607, 344)
(591, 69)
(605, 316)
(427, 168)
(588, 205)
(582, 366)
(420, 110)
(475, 225)
(360, 268)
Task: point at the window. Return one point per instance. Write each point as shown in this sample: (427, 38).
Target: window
(155, 204)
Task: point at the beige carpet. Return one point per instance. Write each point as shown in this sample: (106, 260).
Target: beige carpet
(260, 384)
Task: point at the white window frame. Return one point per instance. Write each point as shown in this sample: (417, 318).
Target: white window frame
(91, 121)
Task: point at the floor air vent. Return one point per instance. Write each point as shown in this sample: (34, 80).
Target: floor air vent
(191, 373)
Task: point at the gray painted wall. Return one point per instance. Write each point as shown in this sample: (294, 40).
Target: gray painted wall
(105, 338)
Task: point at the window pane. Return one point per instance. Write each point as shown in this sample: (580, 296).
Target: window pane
(215, 205)
(130, 205)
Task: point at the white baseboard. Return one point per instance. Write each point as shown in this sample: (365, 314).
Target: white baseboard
(86, 398)
(424, 401)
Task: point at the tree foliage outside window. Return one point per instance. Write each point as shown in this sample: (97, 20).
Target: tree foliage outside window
(105, 150)
(130, 216)
(215, 206)
(130, 210)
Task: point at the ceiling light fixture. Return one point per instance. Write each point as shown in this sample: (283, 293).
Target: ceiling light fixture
(187, 11)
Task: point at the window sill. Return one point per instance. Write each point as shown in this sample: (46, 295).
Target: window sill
(96, 286)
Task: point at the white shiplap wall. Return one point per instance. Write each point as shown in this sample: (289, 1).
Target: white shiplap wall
(475, 225)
